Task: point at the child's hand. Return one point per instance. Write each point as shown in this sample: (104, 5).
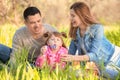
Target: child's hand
(43, 49)
(41, 61)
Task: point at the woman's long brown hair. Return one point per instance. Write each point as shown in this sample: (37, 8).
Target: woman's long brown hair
(83, 11)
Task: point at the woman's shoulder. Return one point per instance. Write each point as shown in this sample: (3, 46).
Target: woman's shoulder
(96, 26)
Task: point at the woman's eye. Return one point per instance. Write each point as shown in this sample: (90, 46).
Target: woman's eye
(72, 15)
(58, 39)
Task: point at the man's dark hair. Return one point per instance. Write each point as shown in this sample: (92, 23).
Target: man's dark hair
(30, 11)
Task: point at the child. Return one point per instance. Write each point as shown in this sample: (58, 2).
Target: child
(52, 51)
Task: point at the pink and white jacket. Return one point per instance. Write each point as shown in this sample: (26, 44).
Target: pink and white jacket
(51, 58)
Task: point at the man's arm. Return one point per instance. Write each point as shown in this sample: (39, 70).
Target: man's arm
(16, 46)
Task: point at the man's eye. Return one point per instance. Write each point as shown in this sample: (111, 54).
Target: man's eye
(39, 20)
(32, 22)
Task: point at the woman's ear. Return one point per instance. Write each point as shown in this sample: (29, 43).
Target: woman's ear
(64, 34)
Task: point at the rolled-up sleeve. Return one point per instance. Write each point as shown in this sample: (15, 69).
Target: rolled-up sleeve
(96, 44)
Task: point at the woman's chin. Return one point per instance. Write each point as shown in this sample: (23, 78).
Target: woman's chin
(75, 26)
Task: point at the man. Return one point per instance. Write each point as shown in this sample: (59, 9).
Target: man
(4, 53)
(30, 36)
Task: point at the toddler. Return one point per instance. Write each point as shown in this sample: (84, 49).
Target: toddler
(52, 51)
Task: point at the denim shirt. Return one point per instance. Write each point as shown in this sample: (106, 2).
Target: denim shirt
(97, 46)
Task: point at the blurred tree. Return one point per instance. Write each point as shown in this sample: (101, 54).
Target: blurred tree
(57, 12)
(3, 10)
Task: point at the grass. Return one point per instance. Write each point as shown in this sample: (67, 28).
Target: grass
(6, 33)
(113, 34)
(22, 70)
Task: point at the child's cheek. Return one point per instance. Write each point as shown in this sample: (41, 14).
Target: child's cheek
(51, 42)
(59, 43)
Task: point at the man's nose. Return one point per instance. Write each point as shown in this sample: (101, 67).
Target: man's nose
(36, 24)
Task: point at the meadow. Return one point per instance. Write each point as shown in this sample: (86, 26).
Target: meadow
(22, 70)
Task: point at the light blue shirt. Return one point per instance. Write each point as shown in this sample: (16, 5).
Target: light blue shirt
(96, 44)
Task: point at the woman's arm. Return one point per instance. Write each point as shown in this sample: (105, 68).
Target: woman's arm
(92, 55)
(72, 48)
(75, 58)
(96, 43)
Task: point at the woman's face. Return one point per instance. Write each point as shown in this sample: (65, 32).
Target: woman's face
(55, 42)
(74, 18)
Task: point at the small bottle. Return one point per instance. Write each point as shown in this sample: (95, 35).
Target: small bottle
(53, 46)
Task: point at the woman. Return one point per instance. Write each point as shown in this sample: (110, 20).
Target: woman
(87, 36)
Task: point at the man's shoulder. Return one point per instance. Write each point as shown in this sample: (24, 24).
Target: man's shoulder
(21, 29)
(48, 27)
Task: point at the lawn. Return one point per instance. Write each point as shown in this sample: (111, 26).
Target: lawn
(23, 70)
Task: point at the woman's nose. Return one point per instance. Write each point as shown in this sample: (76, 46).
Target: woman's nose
(71, 18)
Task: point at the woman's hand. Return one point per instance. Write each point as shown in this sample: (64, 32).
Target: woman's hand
(67, 57)
(74, 57)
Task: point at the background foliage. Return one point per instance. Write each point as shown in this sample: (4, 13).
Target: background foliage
(55, 13)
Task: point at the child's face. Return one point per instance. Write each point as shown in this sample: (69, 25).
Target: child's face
(55, 41)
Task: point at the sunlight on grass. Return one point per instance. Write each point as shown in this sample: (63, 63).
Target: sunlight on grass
(6, 34)
(24, 71)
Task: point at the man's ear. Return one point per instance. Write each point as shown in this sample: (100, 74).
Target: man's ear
(25, 22)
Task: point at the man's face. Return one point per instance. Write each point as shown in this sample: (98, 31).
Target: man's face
(34, 23)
